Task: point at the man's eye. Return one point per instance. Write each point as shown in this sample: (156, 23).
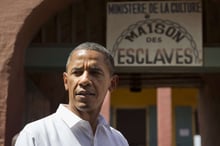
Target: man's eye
(76, 72)
(95, 72)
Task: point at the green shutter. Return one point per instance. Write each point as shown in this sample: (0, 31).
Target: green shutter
(152, 126)
(183, 115)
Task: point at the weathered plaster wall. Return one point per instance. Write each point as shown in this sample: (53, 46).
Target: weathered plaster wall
(19, 21)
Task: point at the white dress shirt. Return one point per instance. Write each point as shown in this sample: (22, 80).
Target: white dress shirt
(64, 128)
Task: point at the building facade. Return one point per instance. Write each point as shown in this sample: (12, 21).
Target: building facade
(164, 105)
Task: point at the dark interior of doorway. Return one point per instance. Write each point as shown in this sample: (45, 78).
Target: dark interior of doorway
(132, 124)
(44, 92)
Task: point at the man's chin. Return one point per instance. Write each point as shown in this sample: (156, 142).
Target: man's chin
(83, 108)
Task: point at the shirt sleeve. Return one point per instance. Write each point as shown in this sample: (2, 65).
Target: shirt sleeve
(25, 139)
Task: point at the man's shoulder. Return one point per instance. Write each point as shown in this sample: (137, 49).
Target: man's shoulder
(119, 136)
(116, 132)
(41, 131)
(40, 124)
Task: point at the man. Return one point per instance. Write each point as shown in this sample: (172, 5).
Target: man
(89, 76)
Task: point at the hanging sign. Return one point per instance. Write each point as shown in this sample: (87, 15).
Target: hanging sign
(155, 33)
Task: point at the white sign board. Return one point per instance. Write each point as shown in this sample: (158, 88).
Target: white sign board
(155, 33)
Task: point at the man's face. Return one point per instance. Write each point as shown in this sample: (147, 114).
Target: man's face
(87, 80)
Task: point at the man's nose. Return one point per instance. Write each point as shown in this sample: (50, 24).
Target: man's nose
(85, 79)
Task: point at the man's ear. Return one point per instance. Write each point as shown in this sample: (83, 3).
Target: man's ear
(114, 82)
(65, 81)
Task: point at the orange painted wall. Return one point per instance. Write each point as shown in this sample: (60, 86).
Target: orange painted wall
(124, 98)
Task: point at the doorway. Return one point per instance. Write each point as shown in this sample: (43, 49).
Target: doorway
(132, 123)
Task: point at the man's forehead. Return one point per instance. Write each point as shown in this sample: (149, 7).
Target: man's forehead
(91, 56)
(80, 52)
(86, 53)
(81, 61)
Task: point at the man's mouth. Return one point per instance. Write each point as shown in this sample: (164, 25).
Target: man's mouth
(85, 93)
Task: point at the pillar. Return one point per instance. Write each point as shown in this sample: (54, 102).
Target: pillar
(105, 111)
(164, 116)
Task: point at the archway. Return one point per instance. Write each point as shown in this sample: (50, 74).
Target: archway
(20, 21)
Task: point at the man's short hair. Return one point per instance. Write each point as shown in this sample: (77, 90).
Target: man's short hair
(96, 47)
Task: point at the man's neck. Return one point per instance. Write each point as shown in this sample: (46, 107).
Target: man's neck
(91, 117)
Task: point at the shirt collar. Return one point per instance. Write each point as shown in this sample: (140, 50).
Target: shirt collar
(72, 119)
(102, 122)
(67, 116)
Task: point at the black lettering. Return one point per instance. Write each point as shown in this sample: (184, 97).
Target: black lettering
(179, 56)
(173, 7)
(159, 28)
(153, 39)
(164, 8)
(168, 57)
(178, 36)
(134, 8)
(170, 31)
(120, 56)
(112, 8)
(148, 39)
(188, 56)
(141, 31)
(159, 39)
(147, 57)
(139, 53)
(153, 8)
(132, 36)
(130, 56)
(185, 7)
(149, 25)
(159, 57)
(125, 9)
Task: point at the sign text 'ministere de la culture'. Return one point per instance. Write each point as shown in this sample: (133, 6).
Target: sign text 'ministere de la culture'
(157, 33)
